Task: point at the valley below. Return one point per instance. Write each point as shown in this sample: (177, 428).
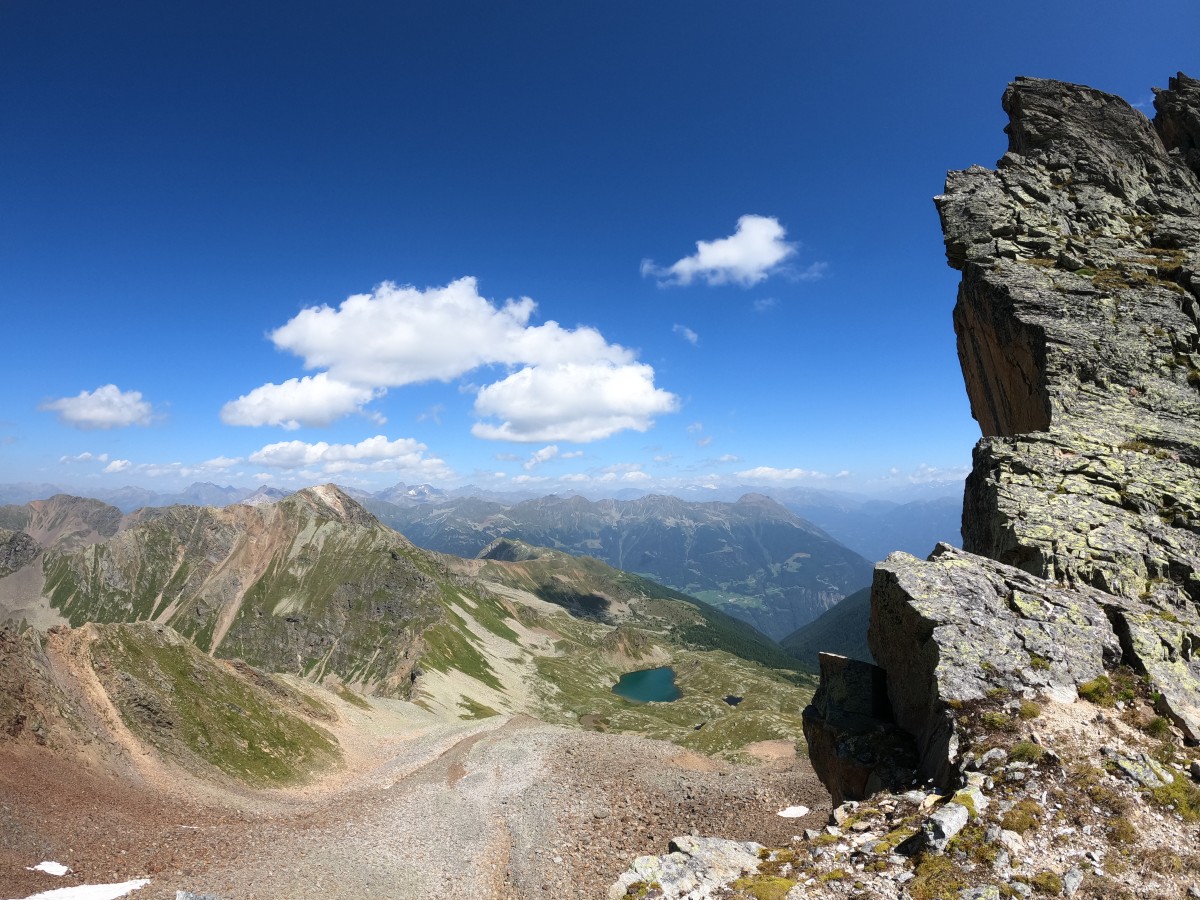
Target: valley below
(420, 805)
(292, 700)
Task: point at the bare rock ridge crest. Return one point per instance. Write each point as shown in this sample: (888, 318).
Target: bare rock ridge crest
(1078, 324)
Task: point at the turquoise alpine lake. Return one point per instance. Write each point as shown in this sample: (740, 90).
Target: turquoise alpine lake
(648, 686)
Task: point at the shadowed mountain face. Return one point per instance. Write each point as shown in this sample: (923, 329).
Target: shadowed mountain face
(841, 630)
(753, 559)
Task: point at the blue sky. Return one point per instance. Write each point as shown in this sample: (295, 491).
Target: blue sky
(589, 246)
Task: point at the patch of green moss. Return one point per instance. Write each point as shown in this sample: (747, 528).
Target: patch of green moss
(997, 721)
(769, 887)
(1182, 794)
(1047, 883)
(972, 840)
(1158, 727)
(894, 839)
(1121, 830)
(1026, 751)
(1098, 691)
(640, 889)
(935, 878)
(1023, 816)
(1029, 710)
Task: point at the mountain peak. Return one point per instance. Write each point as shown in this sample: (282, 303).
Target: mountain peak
(329, 502)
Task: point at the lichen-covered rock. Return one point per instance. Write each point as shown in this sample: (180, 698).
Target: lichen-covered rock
(1078, 323)
(1166, 650)
(1077, 331)
(696, 869)
(940, 828)
(951, 629)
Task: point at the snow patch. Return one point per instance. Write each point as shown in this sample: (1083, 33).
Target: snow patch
(92, 891)
(793, 812)
(50, 868)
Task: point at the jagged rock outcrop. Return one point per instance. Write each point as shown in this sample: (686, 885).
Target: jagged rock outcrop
(957, 627)
(1078, 323)
(1079, 332)
(16, 550)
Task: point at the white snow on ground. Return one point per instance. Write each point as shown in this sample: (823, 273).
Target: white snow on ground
(92, 891)
(794, 812)
(50, 868)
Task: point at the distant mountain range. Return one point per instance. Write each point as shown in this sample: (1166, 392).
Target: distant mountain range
(753, 559)
(870, 526)
(776, 565)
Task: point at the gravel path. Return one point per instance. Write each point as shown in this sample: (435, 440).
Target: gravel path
(504, 808)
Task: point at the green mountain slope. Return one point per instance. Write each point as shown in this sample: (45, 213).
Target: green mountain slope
(315, 586)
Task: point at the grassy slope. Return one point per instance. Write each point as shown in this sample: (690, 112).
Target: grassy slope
(654, 625)
(357, 600)
(199, 710)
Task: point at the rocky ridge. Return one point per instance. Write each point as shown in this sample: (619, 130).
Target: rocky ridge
(1046, 675)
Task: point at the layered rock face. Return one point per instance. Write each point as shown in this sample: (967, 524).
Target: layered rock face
(1078, 323)
(1077, 331)
(313, 584)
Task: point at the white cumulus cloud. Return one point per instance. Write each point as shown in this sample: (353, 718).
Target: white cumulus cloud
(117, 465)
(85, 456)
(311, 400)
(105, 407)
(538, 457)
(374, 454)
(754, 251)
(403, 335)
(577, 402)
(397, 335)
(221, 462)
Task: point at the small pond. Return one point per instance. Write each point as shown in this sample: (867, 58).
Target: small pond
(648, 686)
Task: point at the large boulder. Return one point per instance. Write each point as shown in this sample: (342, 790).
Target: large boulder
(957, 627)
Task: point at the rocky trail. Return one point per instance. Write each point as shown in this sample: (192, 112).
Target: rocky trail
(506, 807)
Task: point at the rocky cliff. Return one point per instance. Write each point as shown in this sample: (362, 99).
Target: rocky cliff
(1047, 675)
(1077, 323)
